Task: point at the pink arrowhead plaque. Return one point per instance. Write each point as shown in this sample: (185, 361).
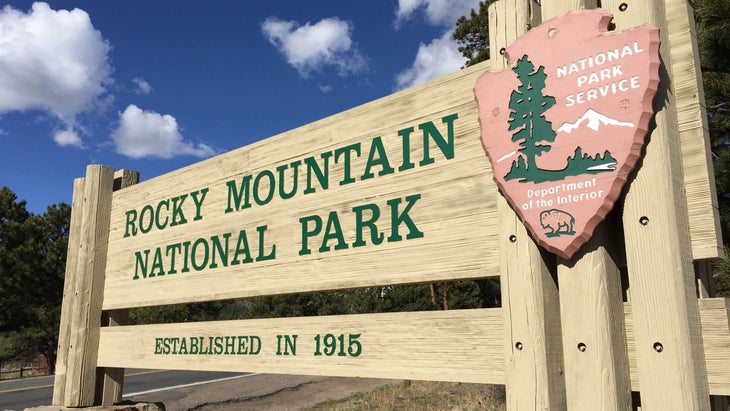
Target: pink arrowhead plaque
(565, 124)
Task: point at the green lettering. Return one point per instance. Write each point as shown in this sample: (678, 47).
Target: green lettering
(175, 248)
(178, 216)
(272, 253)
(255, 345)
(198, 203)
(174, 342)
(151, 212)
(161, 226)
(306, 233)
(445, 145)
(238, 195)
(131, 216)
(333, 231)
(242, 345)
(256, 186)
(377, 149)
(242, 248)
(206, 349)
(295, 177)
(313, 168)
(194, 254)
(396, 219)
(186, 254)
(406, 139)
(218, 345)
(230, 344)
(347, 175)
(141, 265)
(361, 223)
(157, 264)
(220, 249)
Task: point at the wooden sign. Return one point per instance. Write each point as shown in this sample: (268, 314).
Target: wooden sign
(391, 192)
(564, 126)
(455, 345)
(399, 191)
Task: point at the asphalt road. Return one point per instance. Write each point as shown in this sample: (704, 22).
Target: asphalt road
(33, 392)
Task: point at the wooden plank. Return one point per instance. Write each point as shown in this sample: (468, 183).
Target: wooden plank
(69, 299)
(670, 358)
(529, 292)
(112, 379)
(715, 321)
(457, 345)
(555, 8)
(455, 212)
(699, 177)
(591, 307)
(596, 361)
(88, 286)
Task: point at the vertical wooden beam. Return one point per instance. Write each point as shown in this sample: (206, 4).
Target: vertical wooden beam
(670, 357)
(694, 135)
(594, 341)
(72, 261)
(88, 288)
(530, 301)
(554, 8)
(112, 379)
(591, 307)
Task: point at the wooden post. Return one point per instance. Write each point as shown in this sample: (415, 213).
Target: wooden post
(594, 340)
(533, 349)
(112, 379)
(85, 308)
(591, 307)
(694, 136)
(670, 357)
(72, 261)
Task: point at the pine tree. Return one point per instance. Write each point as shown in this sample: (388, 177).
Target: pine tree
(527, 117)
(472, 34)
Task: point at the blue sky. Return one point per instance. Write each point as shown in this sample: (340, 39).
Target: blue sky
(153, 86)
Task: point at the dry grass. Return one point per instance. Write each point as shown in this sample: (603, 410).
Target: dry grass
(423, 396)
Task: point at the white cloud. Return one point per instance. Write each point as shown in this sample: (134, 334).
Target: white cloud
(67, 137)
(433, 60)
(143, 87)
(311, 47)
(149, 134)
(54, 61)
(438, 12)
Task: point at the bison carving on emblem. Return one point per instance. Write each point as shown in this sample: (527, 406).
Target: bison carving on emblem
(558, 222)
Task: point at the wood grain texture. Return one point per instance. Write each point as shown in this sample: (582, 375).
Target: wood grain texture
(456, 211)
(458, 345)
(594, 341)
(591, 307)
(670, 358)
(69, 298)
(694, 136)
(85, 311)
(112, 379)
(533, 348)
(715, 321)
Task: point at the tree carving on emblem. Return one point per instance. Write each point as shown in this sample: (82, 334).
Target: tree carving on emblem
(534, 132)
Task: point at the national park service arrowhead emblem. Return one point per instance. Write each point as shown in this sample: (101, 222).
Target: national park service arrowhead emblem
(565, 124)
